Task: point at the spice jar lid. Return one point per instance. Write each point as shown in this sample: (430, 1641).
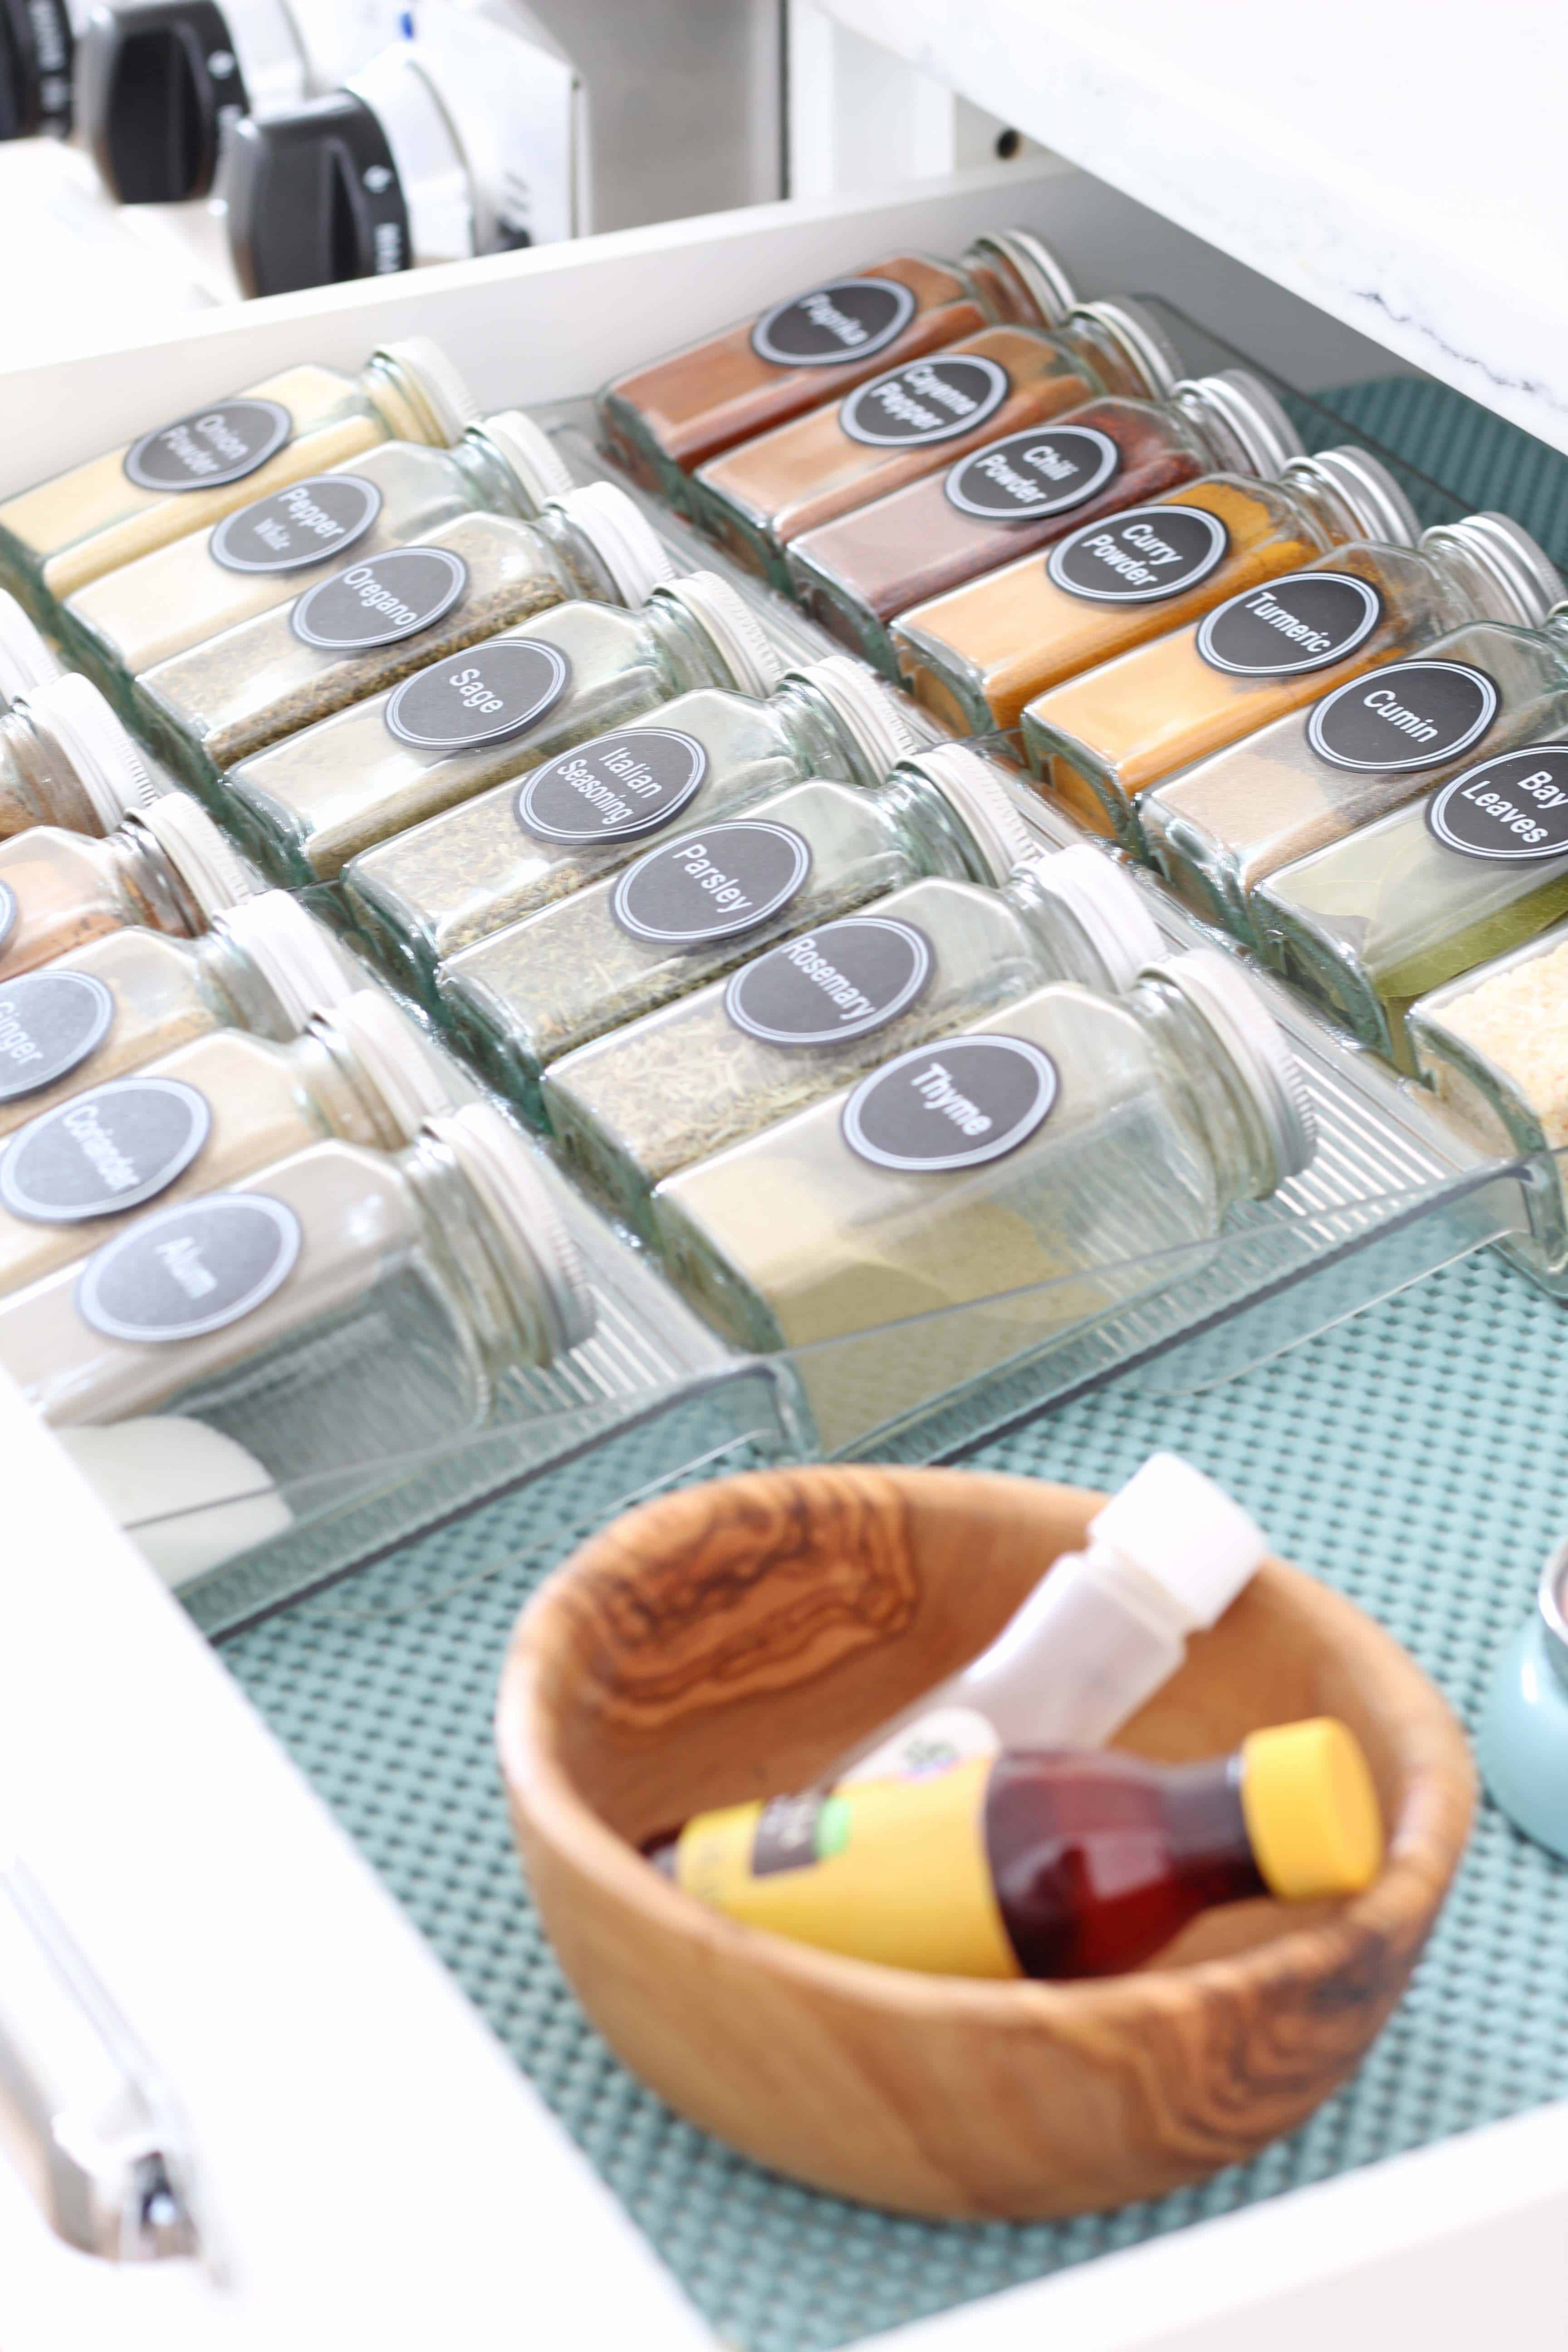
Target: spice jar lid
(1222, 995)
(1140, 337)
(975, 790)
(866, 710)
(752, 658)
(1107, 906)
(296, 956)
(1185, 1533)
(202, 859)
(621, 536)
(530, 1232)
(94, 745)
(25, 660)
(1378, 508)
(1249, 413)
(1032, 260)
(527, 452)
(1524, 574)
(410, 1079)
(431, 377)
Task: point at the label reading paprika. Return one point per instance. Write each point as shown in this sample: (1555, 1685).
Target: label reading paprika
(210, 446)
(928, 401)
(1046, 472)
(1141, 556)
(1515, 806)
(848, 319)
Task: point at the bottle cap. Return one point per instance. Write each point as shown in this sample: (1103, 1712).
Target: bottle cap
(1032, 260)
(1526, 581)
(1249, 413)
(423, 366)
(1183, 1531)
(25, 660)
(530, 1234)
(1377, 507)
(1312, 1811)
(296, 956)
(1140, 339)
(411, 1079)
(1107, 906)
(621, 536)
(866, 710)
(1222, 995)
(528, 453)
(975, 790)
(748, 653)
(187, 1496)
(94, 745)
(202, 860)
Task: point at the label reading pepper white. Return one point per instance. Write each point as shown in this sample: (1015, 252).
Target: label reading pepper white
(848, 319)
(304, 522)
(711, 885)
(1512, 807)
(109, 1148)
(210, 446)
(381, 601)
(191, 1269)
(1300, 622)
(1046, 472)
(957, 1104)
(1411, 715)
(631, 781)
(49, 1022)
(480, 697)
(1139, 556)
(843, 980)
(928, 401)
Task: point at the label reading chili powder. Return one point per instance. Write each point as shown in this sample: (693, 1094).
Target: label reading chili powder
(1301, 622)
(478, 696)
(848, 319)
(7, 911)
(49, 1021)
(304, 522)
(709, 885)
(843, 980)
(112, 1147)
(1515, 806)
(190, 1269)
(954, 1105)
(1039, 473)
(210, 446)
(381, 601)
(1144, 554)
(929, 400)
(1410, 714)
(631, 781)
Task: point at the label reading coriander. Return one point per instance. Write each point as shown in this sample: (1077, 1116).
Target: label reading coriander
(478, 696)
(112, 1147)
(1515, 806)
(1141, 556)
(1045, 472)
(954, 1105)
(381, 600)
(709, 885)
(1411, 715)
(304, 522)
(210, 446)
(7, 911)
(848, 319)
(631, 781)
(1301, 622)
(843, 980)
(190, 1269)
(49, 1021)
(929, 400)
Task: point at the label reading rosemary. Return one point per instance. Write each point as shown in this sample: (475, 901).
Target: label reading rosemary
(381, 600)
(954, 1104)
(191, 1269)
(304, 522)
(7, 911)
(1141, 556)
(1046, 472)
(843, 980)
(478, 696)
(1515, 806)
(49, 1021)
(112, 1147)
(709, 885)
(929, 400)
(210, 446)
(1301, 622)
(631, 781)
(1411, 715)
(848, 319)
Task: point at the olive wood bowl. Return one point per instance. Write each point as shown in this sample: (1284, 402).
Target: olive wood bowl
(728, 1642)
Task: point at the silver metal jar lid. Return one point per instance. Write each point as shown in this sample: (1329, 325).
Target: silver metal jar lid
(968, 781)
(1377, 506)
(1107, 906)
(620, 535)
(430, 375)
(1032, 260)
(296, 956)
(202, 859)
(866, 710)
(409, 1078)
(25, 660)
(1524, 576)
(530, 1233)
(1142, 339)
(78, 722)
(1249, 413)
(528, 453)
(721, 613)
(1221, 993)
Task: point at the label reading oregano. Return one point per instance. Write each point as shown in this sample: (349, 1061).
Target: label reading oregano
(1046, 472)
(954, 1104)
(1139, 556)
(381, 600)
(304, 522)
(1301, 622)
(709, 885)
(929, 400)
(848, 319)
(843, 980)
(49, 1021)
(190, 1269)
(476, 697)
(1515, 806)
(112, 1147)
(7, 911)
(631, 781)
(1411, 715)
(210, 446)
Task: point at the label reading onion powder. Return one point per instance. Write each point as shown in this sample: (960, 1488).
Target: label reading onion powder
(956, 1104)
(191, 1269)
(1515, 806)
(849, 978)
(928, 401)
(49, 1021)
(1411, 715)
(478, 696)
(210, 446)
(631, 781)
(304, 522)
(1139, 556)
(112, 1147)
(381, 600)
(709, 885)
(1301, 622)
(1046, 472)
(848, 319)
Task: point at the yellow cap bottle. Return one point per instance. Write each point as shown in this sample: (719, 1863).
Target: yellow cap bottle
(1311, 1810)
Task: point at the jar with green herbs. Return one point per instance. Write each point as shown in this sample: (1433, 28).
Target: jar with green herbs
(167, 866)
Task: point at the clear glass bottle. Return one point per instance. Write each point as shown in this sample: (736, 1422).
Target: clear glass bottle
(184, 476)
(663, 420)
(271, 549)
(915, 419)
(127, 998)
(1387, 738)
(166, 866)
(26, 659)
(977, 656)
(482, 717)
(65, 761)
(1038, 1167)
(419, 900)
(368, 625)
(1102, 742)
(207, 1116)
(1023, 490)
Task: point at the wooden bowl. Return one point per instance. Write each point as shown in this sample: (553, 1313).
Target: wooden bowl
(729, 1641)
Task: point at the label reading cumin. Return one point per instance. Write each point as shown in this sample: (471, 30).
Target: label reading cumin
(1411, 715)
(630, 781)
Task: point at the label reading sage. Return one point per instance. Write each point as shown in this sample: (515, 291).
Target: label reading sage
(210, 446)
(49, 1021)
(708, 886)
(631, 781)
(843, 980)
(1046, 472)
(929, 400)
(112, 1147)
(848, 319)
(304, 522)
(381, 600)
(1144, 554)
(190, 1269)
(7, 911)
(480, 697)
(1411, 715)
(1515, 806)
(954, 1105)
(1301, 622)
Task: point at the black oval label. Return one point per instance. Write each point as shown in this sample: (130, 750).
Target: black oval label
(1139, 556)
(850, 977)
(1046, 472)
(49, 1021)
(7, 911)
(709, 885)
(210, 446)
(304, 522)
(109, 1148)
(190, 1269)
(1411, 715)
(954, 1105)
(929, 400)
(1515, 806)
(1300, 622)
(631, 781)
(478, 696)
(848, 319)
(381, 600)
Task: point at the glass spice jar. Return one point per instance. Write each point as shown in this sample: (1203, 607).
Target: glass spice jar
(976, 657)
(421, 900)
(663, 420)
(1102, 742)
(916, 419)
(205, 1115)
(388, 1294)
(479, 718)
(26, 659)
(127, 998)
(65, 761)
(167, 866)
(184, 476)
(1023, 492)
(266, 553)
(370, 624)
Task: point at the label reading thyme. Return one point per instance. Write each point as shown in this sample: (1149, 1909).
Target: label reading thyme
(709, 885)
(304, 522)
(631, 781)
(848, 319)
(478, 696)
(191, 1269)
(954, 1104)
(1514, 806)
(381, 600)
(1410, 714)
(1028, 474)
(112, 1147)
(929, 400)
(1303, 621)
(49, 1021)
(1144, 554)
(209, 447)
(843, 980)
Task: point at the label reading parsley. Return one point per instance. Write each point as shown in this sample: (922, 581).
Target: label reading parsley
(957, 1105)
(304, 522)
(850, 977)
(711, 885)
(1411, 715)
(1030, 474)
(112, 1147)
(631, 781)
(49, 1021)
(381, 600)
(1301, 622)
(1515, 806)
(929, 400)
(210, 446)
(1145, 554)
(849, 319)
(480, 697)
(189, 1270)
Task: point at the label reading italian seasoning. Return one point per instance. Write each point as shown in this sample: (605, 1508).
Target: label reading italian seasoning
(304, 522)
(191, 1269)
(848, 319)
(1142, 555)
(210, 446)
(1046, 472)
(381, 600)
(112, 1147)
(1515, 806)
(49, 1021)
(631, 781)
(1411, 715)
(478, 696)
(7, 911)
(928, 401)
(711, 885)
(1301, 622)
(850, 977)
(955, 1105)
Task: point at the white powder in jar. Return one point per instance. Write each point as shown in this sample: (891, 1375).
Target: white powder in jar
(1519, 1021)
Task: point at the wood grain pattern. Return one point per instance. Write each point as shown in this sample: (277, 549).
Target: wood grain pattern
(728, 1642)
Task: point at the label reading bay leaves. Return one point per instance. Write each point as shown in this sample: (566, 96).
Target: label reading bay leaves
(928, 401)
(711, 885)
(1046, 472)
(210, 446)
(954, 1105)
(381, 600)
(630, 781)
(848, 319)
(1515, 806)
(480, 697)
(843, 980)
(190, 1269)
(304, 522)
(49, 1021)
(109, 1148)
